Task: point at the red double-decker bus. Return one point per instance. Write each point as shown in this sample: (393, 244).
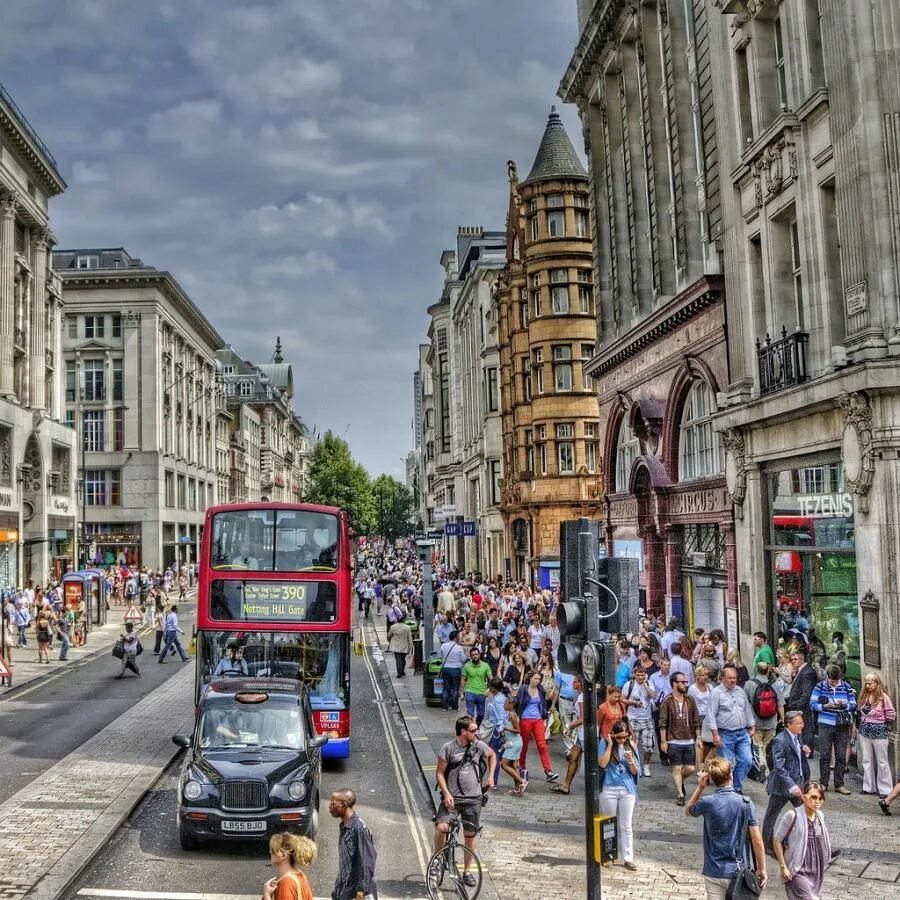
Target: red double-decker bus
(273, 601)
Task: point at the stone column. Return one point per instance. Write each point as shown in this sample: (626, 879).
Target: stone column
(38, 340)
(673, 571)
(7, 293)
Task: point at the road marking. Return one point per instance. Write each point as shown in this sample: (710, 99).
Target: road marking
(119, 894)
(420, 838)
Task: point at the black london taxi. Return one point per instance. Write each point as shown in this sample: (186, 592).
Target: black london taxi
(253, 764)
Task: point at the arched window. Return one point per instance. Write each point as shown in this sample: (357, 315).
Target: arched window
(701, 452)
(627, 449)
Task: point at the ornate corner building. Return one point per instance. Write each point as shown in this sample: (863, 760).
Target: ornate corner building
(547, 332)
(641, 77)
(37, 483)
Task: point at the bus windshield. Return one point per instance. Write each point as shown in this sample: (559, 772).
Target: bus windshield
(316, 659)
(274, 540)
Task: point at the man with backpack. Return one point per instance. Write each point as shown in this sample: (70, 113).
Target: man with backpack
(768, 709)
(465, 768)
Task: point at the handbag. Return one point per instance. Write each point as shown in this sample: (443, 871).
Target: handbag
(744, 884)
(118, 650)
(140, 649)
(844, 718)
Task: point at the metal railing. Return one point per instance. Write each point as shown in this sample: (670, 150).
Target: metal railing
(782, 363)
(26, 125)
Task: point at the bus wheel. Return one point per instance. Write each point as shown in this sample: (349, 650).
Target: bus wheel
(188, 841)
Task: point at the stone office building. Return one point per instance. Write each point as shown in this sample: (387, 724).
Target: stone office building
(545, 303)
(808, 105)
(140, 391)
(641, 75)
(37, 478)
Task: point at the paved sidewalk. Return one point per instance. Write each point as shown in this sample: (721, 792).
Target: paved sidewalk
(50, 830)
(534, 846)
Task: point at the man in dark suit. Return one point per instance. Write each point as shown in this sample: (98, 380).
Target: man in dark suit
(790, 769)
(805, 681)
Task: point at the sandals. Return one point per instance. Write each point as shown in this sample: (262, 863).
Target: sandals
(559, 789)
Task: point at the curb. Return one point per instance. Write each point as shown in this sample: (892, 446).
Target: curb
(69, 868)
(425, 755)
(66, 869)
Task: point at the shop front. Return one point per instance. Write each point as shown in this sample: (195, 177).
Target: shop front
(110, 544)
(811, 562)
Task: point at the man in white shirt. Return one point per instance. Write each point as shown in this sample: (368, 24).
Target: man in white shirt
(638, 696)
(244, 558)
(680, 665)
(672, 634)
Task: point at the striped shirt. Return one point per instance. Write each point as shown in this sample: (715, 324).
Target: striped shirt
(824, 692)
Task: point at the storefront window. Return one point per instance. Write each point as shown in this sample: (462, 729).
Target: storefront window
(812, 564)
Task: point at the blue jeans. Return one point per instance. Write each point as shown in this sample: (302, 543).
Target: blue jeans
(23, 635)
(495, 743)
(63, 646)
(172, 641)
(450, 694)
(736, 749)
(475, 706)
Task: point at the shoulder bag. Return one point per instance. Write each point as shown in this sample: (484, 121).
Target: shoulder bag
(744, 883)
(118, 650)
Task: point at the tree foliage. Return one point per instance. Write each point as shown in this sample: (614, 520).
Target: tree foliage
(384, 506)
(394, 507)
(336, 479)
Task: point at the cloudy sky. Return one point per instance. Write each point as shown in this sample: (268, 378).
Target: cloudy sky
(298, 165)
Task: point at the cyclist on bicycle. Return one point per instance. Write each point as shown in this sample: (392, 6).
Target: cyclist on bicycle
(465, 769)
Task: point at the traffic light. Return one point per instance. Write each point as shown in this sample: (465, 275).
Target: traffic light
(570, 614)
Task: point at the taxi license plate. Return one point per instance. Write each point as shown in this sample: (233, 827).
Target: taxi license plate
(243, 826)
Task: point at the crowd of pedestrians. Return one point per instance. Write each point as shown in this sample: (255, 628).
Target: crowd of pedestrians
(39, 616)
(687, 703)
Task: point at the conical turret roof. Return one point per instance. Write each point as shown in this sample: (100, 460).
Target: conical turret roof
(556, 157)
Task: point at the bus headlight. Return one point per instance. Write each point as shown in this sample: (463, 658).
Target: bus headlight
(296, 790)
(192, 790)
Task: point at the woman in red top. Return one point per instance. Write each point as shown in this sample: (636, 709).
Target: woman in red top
(610, 712)
(289, 853)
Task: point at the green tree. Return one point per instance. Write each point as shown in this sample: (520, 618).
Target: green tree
(336, 479)
(394, 507)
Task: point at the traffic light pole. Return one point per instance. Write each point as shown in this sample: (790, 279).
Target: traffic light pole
(587, 566)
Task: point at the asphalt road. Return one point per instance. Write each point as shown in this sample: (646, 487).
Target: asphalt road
(144, 855)
(44, 722)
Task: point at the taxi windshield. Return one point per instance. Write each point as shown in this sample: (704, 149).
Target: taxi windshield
(258, 725)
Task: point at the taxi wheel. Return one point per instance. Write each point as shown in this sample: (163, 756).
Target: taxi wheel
(188, 841)
(313, 822)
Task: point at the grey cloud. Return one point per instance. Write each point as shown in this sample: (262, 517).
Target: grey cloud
(297, 164)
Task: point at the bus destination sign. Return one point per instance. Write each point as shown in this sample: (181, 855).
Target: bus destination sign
(273, 601)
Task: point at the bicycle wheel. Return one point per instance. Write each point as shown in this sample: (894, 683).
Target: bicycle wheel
(446, 871)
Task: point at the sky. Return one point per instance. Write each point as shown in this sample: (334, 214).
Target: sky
(297, 165)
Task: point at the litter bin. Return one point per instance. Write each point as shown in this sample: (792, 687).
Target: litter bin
(432, 683)
(418, 653)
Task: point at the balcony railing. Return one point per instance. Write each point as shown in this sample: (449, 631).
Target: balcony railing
(782, 363)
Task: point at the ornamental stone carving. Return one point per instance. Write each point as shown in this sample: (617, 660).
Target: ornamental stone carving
(736, 468)
(857, 447)
(5, 457)
(8, 204)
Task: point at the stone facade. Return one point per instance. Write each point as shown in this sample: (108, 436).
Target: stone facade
(662, 355)
(459, 379)
(545, 307)
(37, 477)
(141, 392)
(269, 444)
(808, 99)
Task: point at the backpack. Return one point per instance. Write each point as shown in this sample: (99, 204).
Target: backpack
(765, 701)
(477, 756)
